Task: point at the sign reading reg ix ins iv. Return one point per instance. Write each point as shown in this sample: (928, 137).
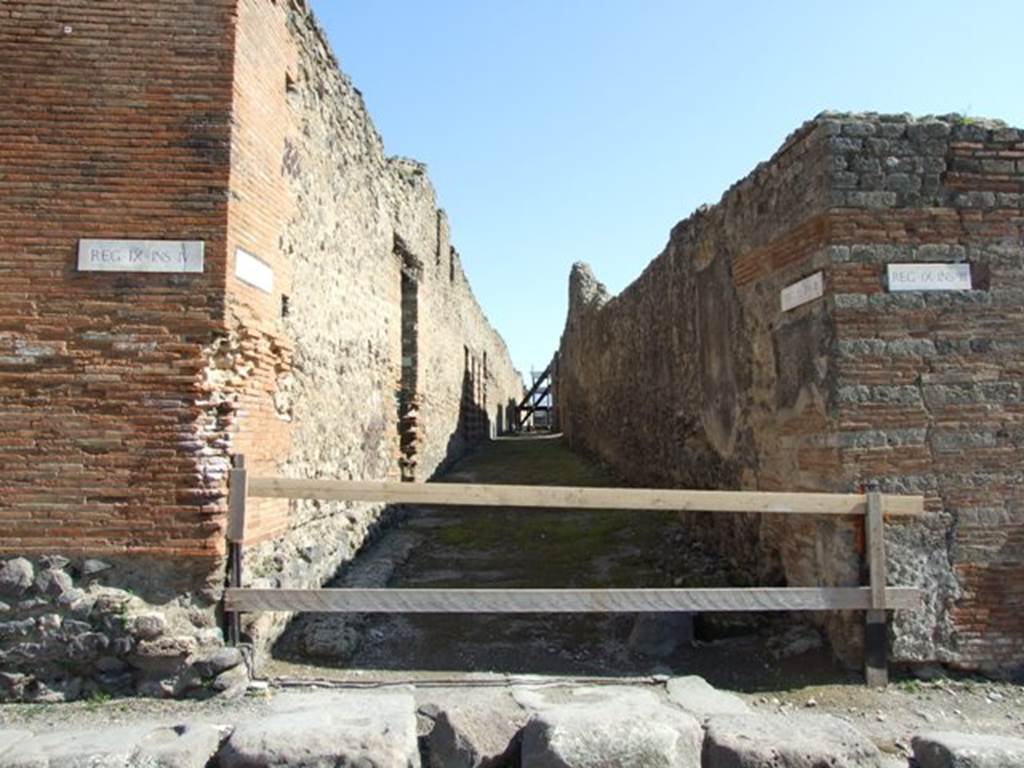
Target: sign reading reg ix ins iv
(929, 277)
(140, 255)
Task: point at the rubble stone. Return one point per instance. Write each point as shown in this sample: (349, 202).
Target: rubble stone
(16, 576)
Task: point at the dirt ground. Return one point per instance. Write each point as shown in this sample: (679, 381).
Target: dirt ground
(772, 665)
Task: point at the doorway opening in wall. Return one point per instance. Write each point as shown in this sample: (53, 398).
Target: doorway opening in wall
(408, 385)
(473, 413)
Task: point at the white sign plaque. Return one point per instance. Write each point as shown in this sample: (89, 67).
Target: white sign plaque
(802, 291)
(929, 277)
(140, 255)
(253, 271)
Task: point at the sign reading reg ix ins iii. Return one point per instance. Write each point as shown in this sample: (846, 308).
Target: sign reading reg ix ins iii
(140, 255)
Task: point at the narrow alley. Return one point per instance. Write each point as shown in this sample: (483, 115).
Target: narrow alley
(488, 547)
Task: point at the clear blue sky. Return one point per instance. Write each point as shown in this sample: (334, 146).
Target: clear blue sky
(565, 130)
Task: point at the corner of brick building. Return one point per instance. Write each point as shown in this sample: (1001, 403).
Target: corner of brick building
(858, 385)
(331, 333)
(119, 127)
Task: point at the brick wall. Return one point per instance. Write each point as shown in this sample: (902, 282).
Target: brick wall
(123, 395)
(122, 392)
(916, 390)
(928, 385)
(115, 123)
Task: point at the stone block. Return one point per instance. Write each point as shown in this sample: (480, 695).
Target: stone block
(924, 131)
(191, 745)
(780, 741)
(93, 567)
(873, 200)
(107, 748)
(695, 695)
(965, 750)
(149, 626)
(475, 732)
(612, 729)
(322, 729)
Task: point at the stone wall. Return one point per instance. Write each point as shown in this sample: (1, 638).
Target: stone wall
(344, 227)
(123, 396)
(694, 376)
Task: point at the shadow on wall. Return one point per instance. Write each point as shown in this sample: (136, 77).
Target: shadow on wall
(505, 417)
(475, 424)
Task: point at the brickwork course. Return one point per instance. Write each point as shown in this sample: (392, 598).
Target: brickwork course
(124, 395)
(694, 376)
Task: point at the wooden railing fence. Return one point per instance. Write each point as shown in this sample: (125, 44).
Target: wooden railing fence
(875, 598)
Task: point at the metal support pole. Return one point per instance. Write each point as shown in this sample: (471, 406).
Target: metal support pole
(234, 618)
(238, 489)
(876, 630)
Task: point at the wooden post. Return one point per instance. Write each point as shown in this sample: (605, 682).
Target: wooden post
(238, 489)
(876, 631)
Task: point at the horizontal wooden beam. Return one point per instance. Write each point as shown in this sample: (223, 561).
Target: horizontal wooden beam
(562, 600)
(577, 498)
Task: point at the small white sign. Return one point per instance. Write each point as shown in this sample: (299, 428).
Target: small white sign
(802, 291)
(929, 277)
(140, 255)
(253, 271)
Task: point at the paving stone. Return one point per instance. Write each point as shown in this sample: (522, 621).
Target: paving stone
(303, 730)
(615, 728)
(779, 741)
(700, 699)
(182, 746)
(967, 750)
(109, 748)
(480, 731)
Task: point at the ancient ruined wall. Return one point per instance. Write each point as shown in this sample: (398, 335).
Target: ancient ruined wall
(315, 363)
(682, 379)
(116, 124)
(351, 364)
(694, 376)
(123, 395)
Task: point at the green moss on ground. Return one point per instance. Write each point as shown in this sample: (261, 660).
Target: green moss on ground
(543, 547)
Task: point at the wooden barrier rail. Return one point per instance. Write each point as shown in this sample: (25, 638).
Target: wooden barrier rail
(876, 598)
